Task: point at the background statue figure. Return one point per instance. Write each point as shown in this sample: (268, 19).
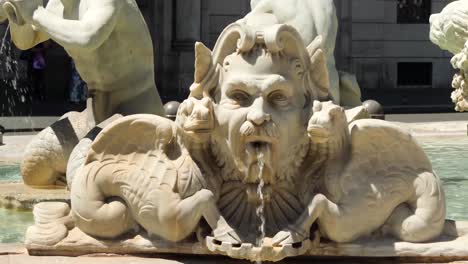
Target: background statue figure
(449, 30)
(312, 18)
(113, 52)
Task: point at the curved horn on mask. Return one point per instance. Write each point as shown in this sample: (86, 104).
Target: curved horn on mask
(318, 69)
(205, 71)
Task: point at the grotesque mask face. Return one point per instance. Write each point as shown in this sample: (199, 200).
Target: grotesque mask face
(261, 114)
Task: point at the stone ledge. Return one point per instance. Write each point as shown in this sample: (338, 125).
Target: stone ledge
(445, 249)
(20, 196)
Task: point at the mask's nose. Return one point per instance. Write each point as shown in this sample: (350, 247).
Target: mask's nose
(257, 114)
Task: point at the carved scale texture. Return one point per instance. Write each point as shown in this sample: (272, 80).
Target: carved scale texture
(145, 166)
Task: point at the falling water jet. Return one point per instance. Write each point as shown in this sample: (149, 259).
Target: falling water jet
(261, 206)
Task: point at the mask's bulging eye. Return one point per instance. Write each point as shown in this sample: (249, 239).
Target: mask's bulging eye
(239, 96)
(278, 97)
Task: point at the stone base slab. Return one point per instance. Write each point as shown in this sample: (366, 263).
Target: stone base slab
(453, 246)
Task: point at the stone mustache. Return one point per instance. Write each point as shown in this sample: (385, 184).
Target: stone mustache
(255, 115)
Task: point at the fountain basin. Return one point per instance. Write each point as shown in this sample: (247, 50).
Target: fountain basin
(450, 247)
(16, 202)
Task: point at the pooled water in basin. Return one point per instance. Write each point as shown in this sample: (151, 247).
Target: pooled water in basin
(449, 156)
(13, 225)
(9, 173)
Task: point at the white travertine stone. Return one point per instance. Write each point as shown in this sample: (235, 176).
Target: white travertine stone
(80, 152)
(254, 145)
(159, 185)
(449, 30)
(112, 49)
(312, 18)
(45, 157)
(52, 220)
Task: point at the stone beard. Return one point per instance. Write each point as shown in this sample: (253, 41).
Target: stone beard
(240, 173)
(246, 168)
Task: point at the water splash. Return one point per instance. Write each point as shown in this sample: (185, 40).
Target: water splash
(261, 206)
(4, 39)
(13, 74)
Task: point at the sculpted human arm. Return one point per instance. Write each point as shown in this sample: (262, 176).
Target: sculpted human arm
(89, 32)
(24, 35)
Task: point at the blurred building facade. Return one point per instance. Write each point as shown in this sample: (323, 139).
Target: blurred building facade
(384, 42)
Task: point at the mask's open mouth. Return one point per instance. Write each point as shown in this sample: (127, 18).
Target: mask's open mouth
(260, 159)
(257, 145)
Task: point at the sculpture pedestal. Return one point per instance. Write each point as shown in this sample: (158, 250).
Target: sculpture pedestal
(447, 248)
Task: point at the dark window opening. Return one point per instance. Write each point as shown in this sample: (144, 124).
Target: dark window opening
(413, 11)
(414, 73)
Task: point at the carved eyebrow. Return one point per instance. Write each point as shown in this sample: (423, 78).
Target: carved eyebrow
(278, 83)
(274, 80)
(239, 83)
(266, 84)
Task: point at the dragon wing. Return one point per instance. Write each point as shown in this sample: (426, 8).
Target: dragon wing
(144, 145)
(152, 146)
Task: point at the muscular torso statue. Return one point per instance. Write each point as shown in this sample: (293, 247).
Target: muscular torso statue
(312, 18)
(113, 52)
(110, 44)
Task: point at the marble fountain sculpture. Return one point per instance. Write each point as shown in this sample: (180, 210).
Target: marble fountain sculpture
(258, 165)
(114, 57)
(449, 30)
(102, 54)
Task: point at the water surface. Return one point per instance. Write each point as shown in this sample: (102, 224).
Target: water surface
(9, 172)
(13, 225)
(449, 156)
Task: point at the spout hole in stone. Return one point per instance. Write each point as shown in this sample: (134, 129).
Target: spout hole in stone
(236, 245)
(297, 245)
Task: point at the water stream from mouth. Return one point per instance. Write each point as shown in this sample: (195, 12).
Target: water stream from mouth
(261, 206)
